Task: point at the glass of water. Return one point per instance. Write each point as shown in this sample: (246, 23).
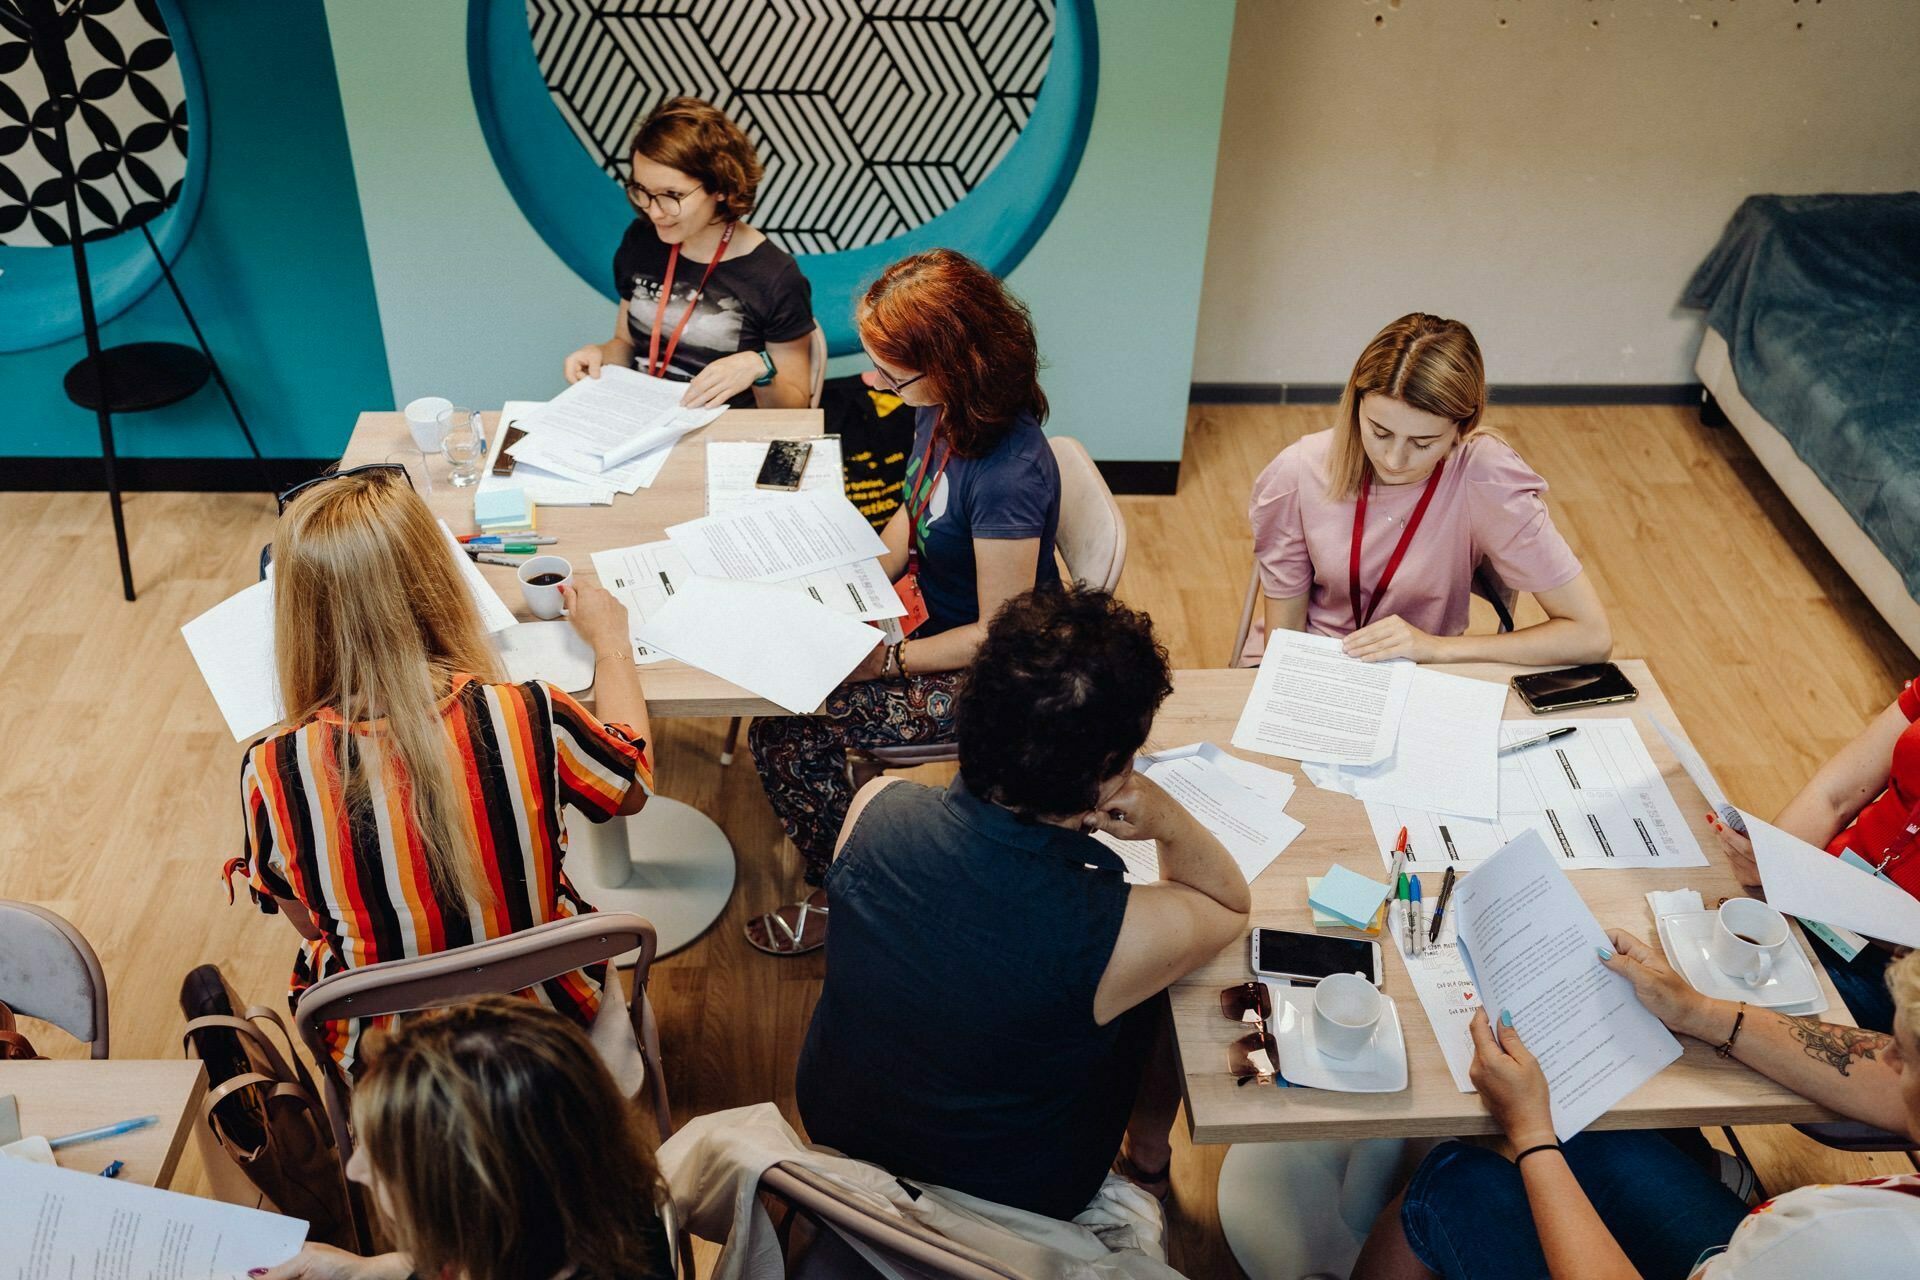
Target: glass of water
(463, 438)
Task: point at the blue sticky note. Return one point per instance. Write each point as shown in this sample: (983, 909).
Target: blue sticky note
(1351, 897)
(501, 506)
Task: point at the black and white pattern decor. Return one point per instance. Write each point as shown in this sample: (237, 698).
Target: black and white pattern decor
(132, 124)
(871, 116)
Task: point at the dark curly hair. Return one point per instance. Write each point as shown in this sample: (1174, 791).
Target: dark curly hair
(701, 141)
(1059, 697)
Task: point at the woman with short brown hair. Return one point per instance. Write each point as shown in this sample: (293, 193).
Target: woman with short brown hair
(704, 298)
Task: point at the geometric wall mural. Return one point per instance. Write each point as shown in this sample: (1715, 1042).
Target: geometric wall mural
(872, 117)
(132, 125)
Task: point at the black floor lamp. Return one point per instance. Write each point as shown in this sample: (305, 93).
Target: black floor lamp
(135, 376)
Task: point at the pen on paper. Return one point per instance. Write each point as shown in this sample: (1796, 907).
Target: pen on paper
(1537, 739)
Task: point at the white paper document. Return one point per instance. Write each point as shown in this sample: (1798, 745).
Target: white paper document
(1446, 992)
(232, 643)
(1311, 701)
(1804, 881)
(615, 417)
(730, 628)
(543, 488)
(733, 466)
(494, 614)
(1531, 947)
(773, 541)
(62, 1224)
(1702, 777)
(1595, 798)
(1446, 758)
(1250, 821)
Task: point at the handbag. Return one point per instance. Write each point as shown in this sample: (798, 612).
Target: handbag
(262, 1109)
(14, 1046)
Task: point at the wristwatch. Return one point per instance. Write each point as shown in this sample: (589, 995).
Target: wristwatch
(766, 377)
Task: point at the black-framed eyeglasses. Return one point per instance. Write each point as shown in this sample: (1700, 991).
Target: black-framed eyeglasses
(288, 495)
(669, 201)
(896, 387)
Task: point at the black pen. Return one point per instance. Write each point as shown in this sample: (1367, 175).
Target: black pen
(1548, 736)
(1440, 907)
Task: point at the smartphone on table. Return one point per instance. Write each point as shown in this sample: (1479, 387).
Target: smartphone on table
(1309, 957)
(1591, 685)
(785, 463)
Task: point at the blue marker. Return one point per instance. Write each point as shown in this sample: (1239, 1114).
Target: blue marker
(1416, 942)
(104, 1131)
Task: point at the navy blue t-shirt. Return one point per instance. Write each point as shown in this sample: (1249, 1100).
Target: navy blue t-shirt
(1013, 493)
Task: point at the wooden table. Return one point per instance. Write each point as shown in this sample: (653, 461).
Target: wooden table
(59, 1097)
(1699, 1089)
(678, 493)
(685, 877)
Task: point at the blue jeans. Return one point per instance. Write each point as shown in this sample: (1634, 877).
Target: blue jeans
(1861, 982)
(1466, 1213)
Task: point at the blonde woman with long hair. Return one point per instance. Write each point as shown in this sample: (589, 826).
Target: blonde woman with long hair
(412, 800)
(1375, 530)
(495, 1146)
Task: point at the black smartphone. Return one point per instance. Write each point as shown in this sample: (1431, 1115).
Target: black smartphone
(785, 463)
(503, 461)
(1587, 686)
(1309, 957)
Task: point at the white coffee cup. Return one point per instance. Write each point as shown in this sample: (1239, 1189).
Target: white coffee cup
(1748, 938)
(1346, 1009)
(423, 421)
(545, 601)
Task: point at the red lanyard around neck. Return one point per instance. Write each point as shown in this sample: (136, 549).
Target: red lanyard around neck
(1902, 844)
(926, 499)
(655, 364)
(1360, 618)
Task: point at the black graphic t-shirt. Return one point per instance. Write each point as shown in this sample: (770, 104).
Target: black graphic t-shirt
(752, 300)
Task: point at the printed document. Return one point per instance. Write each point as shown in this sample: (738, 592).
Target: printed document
(232, 643)
(1804, 881)
(1595, 798)
(543, 488)
(615, 417)
(1251, 823)
(1530, 947)
(494, 614)
(1446, 991)
(1311, 701)
(766, 638)
(733, 466)
(773, 541)
(1446, 759)
(62, 1224)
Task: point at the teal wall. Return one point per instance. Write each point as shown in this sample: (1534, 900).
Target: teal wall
(476, 307)
(276, 268)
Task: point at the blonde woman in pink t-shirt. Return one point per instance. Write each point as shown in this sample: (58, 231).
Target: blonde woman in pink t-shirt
(1429, 498)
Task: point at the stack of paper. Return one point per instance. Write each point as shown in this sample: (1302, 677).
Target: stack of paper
(1446, 758)
(613, 431)
(1310, 701)
(541, 486)
(1349, 897)
(734, 465)
(1242, 804)
(785, 537)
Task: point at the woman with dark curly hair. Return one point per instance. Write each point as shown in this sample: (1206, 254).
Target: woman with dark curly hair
(704, 298)
(975, 528)
(990, 1020)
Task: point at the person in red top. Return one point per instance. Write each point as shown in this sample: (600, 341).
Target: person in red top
(1866, 800)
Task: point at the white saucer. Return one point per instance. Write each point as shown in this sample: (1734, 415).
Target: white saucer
(550, 651)
(1381, 1067)
(1687, 938)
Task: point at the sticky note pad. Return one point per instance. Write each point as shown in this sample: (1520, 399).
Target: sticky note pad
(1321, 920)
(1351, 898)
(497, 508)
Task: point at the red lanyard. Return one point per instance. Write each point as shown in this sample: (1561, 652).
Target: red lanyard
(655, 365)
(926, 500)
(1361, 619)
(1901, 845)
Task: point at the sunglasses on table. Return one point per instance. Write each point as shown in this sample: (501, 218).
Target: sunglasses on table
(1255, 1056)
(392, 468)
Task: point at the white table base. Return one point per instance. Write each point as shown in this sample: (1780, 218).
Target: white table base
(1292, 1209)
(669, 862)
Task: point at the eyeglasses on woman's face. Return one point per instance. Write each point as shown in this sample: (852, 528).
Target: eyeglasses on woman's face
(894, 384)
(669, 201)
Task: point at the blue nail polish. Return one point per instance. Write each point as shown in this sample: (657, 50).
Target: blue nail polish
(1506, 1018)
(1604, 953)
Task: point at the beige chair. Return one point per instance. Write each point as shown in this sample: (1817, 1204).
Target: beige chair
(1486, 585)
(817, 361)
(47, 971)
(507, 964)
(832, 1217)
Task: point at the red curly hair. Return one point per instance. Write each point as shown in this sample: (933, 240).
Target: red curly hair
(943, 314)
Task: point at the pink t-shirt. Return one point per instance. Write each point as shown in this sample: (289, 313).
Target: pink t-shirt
(1488, 506)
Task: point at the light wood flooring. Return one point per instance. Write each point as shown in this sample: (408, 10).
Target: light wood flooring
(118, 795)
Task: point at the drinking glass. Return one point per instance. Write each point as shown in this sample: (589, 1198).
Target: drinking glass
(463, 438)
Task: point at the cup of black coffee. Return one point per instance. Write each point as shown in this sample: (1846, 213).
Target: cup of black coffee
(540, 581)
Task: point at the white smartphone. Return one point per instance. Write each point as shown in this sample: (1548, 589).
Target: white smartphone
(1309, 957)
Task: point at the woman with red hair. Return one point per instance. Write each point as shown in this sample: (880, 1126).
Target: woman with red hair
(975, 528)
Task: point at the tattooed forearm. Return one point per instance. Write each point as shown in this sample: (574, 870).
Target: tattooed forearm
(1838, 1047)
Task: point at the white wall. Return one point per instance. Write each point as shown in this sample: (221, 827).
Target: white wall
(1549, 181)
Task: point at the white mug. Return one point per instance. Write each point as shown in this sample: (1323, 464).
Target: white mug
(545, 601)
(423, 421)
(1748, 937)
(1346, 1009)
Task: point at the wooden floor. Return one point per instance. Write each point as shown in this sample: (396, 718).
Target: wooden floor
(120, 798)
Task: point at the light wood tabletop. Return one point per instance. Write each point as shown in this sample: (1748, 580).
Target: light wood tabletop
(1699, 1089)
(59, 1097)
(678, 493)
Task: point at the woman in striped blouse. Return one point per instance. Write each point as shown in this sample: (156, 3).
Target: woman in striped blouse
(411, 802)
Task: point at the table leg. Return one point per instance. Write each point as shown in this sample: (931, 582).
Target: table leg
(681, 879)
(1298, 1208)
